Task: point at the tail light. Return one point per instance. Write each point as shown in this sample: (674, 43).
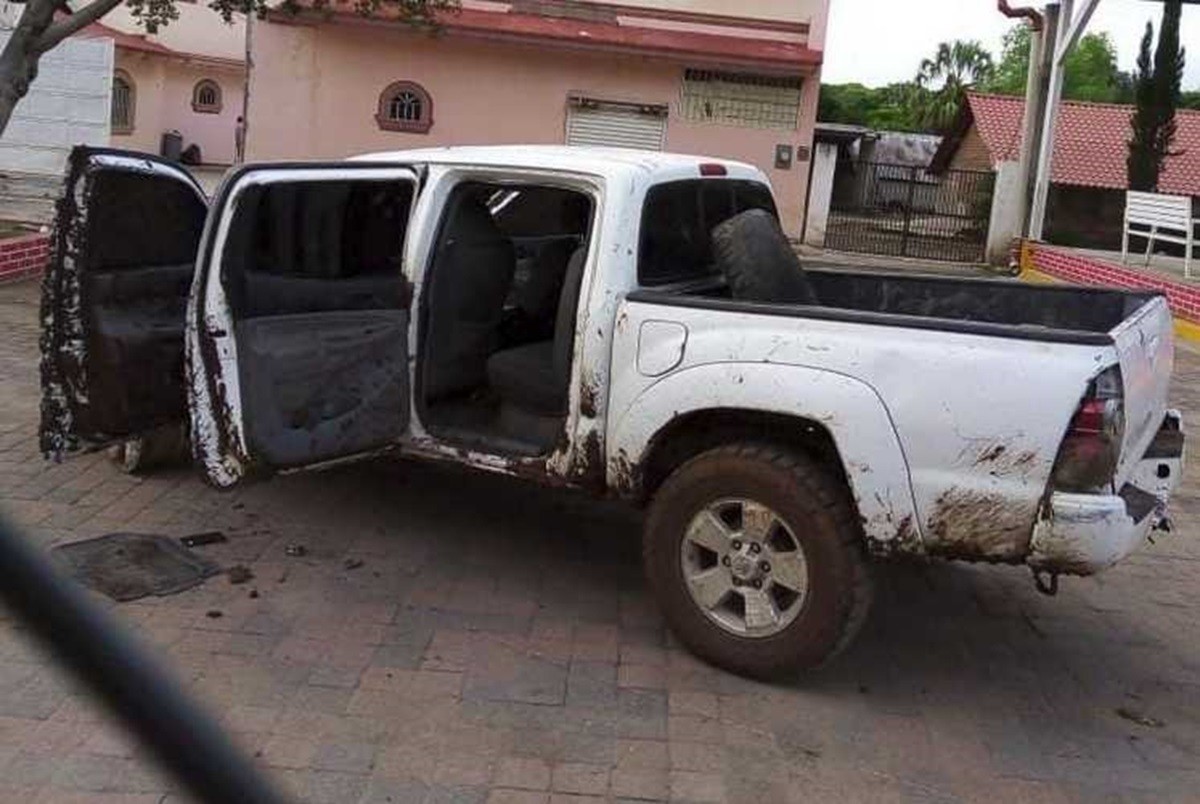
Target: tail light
(1091, 448)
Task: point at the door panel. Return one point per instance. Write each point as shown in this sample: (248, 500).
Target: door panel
(113, 300)
(319, 386)
(301, 354)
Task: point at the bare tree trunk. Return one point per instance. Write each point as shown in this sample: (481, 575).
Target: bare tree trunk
(35, 33)
(19, 60)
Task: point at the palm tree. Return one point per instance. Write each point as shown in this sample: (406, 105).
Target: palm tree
(945, 79)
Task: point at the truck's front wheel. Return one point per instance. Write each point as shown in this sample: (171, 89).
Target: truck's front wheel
(756, 560)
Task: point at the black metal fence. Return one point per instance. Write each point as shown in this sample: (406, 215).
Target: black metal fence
(904, 211)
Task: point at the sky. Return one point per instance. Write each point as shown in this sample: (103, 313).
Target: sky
(876, 42)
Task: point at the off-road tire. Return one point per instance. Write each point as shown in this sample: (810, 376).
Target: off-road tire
(759, 262)
(817, 510)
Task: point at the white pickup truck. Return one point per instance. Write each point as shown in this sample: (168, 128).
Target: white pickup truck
(629, 323)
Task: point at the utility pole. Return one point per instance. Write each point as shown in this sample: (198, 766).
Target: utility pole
(1070, 29)
(244, 129)
(1041, 40)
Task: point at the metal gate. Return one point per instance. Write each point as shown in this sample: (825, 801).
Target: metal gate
(905, 211)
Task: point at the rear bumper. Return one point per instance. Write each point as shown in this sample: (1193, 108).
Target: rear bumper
(1082, 534)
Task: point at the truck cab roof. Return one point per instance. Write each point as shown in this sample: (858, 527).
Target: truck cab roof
(648, 167)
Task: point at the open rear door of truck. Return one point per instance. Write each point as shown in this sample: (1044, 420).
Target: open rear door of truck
(299, 324)
(114, 297)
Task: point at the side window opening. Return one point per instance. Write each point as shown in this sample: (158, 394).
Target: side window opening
(499, 313)
(313, 273)
(677, 220)
(303, 247)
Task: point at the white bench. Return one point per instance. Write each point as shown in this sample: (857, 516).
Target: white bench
(1158, 212)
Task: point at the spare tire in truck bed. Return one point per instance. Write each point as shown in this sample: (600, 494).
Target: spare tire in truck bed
(758, 262)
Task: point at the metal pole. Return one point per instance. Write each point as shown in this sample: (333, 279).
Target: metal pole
(1031, 127)
(1045, 163)
(249, 67)
(908, 202)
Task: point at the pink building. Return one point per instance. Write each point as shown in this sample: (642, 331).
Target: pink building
(679, 75)
(189, 77)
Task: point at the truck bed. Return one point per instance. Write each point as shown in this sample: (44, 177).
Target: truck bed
(996, 307)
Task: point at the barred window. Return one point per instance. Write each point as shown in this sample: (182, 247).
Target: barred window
(121, 113)
(206, 97)
(405, 106)
(741, 99)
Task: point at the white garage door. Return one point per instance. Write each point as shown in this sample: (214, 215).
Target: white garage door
(618, 126)
(67, 105)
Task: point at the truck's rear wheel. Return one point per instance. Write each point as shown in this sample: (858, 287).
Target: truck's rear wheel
(756, 560)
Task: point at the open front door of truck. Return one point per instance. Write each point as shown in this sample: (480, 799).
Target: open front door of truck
(299, 325)
(114, 299)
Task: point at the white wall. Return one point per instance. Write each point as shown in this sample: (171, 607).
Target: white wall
(67, 105)
(1005, 223)
(199, 30)
(820, 192)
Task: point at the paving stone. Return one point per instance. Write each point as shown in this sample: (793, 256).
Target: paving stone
(505, 675)
(345, 757)
(580, 778)
(640, 784)
(524, 774)
(507, 796)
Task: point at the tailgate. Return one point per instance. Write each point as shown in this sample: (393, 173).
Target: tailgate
(1146, 350)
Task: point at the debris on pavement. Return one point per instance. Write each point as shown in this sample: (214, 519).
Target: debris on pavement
(201, 539)
(1134, 716)
(253, 594)
(240, 573)
(352, 563)
(214, 614)
(295, 550)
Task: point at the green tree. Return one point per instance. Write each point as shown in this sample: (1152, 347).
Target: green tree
(43, 24)
(956, 67)
(889, 108)
(1091, 72)
(1157, 94)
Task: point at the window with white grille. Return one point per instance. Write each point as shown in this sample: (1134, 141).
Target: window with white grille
(405, 106)
(121, 115)
(206, 97)
(741, 99)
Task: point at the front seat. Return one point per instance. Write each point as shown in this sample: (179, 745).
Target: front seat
(535, 378)
(471, 279)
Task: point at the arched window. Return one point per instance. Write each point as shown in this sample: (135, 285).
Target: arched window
(121, 114)
(206, 97)
(405, 106)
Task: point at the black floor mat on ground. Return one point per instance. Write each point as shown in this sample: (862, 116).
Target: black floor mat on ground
(127, 566)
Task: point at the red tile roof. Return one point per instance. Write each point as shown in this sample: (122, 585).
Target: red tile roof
(1090, 142)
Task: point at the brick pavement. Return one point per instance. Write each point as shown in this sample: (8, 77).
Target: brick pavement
(497, 644)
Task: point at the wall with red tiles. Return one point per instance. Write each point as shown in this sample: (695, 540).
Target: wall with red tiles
(23, 256)
(1068, 266)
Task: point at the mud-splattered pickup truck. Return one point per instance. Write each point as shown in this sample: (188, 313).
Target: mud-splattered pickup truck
(629, 323)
